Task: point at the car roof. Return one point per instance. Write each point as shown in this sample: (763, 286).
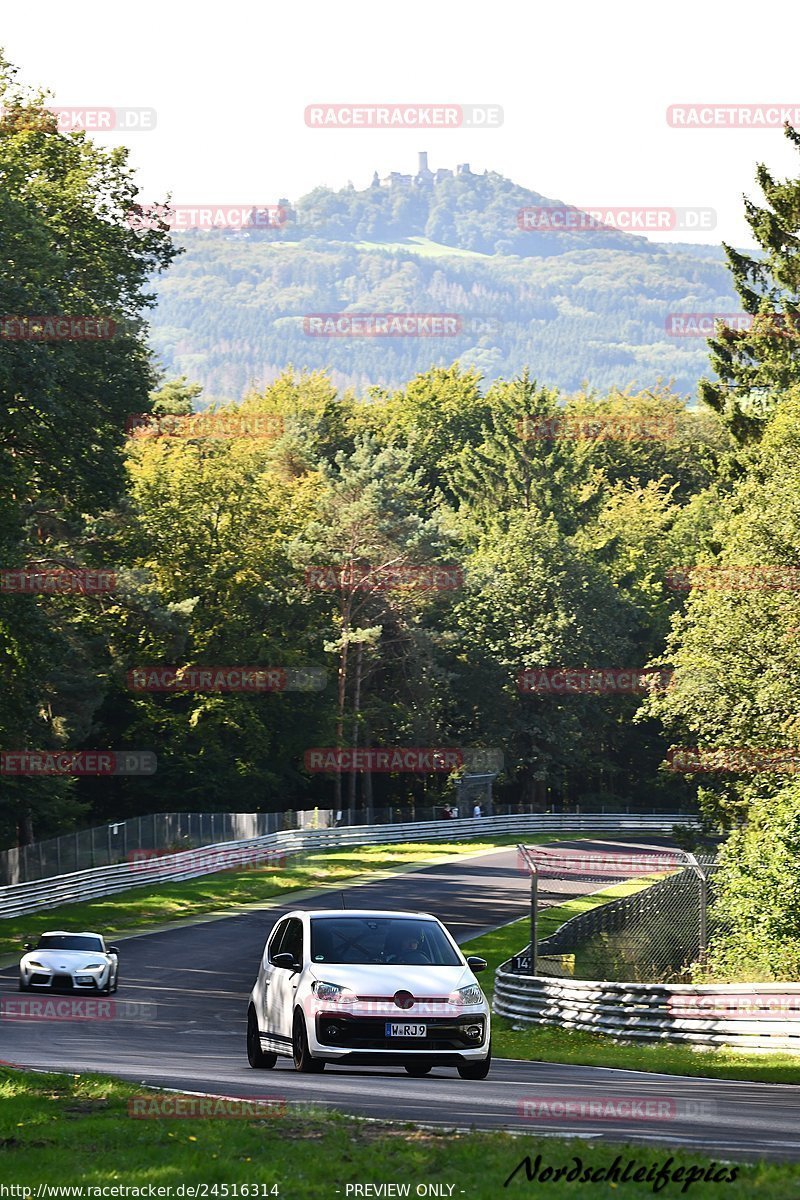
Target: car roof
(69, 933)
(359, 912)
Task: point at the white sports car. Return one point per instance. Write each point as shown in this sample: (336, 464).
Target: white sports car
(62, 961)
(368, 987)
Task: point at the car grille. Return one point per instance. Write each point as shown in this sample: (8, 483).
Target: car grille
(39, 977)
(62, 982)
(369, 1033)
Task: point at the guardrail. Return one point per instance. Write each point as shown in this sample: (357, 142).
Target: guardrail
(19, 899)
(757, 1016)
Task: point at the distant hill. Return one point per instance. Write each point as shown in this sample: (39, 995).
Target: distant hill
(580, 305)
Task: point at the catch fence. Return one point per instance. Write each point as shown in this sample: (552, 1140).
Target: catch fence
(650, 935)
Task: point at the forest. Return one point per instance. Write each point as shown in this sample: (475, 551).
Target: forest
(568, 527)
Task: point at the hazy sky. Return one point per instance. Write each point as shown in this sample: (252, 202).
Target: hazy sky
(584, 90)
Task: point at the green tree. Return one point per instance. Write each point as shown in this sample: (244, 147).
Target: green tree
(66, 249)
(757, 365)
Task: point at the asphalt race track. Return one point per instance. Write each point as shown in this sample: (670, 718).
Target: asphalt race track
(191, 1037)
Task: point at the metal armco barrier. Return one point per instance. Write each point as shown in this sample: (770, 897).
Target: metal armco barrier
(758, 1016)
(18, 899)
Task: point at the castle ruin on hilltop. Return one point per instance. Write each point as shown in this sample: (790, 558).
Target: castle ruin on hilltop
(424, 176)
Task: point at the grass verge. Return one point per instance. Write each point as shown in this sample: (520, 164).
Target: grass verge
(75, 1131)
(549, 1043)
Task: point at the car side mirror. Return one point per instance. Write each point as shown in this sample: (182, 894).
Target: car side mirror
(113, 949)
(476, 964)
(29, 946)
(286, 961)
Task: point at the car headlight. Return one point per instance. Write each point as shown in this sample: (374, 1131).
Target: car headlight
(33, 963)
(332, 993)
(471, 994)
(94, 967)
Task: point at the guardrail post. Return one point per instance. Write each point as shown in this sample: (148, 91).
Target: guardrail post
(534, 919)
(702, 876)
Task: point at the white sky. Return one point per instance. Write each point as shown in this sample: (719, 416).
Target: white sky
(584, 88)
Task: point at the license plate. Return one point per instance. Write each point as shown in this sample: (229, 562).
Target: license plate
(405, 1030)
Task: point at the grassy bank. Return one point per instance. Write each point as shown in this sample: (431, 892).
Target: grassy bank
(75, 1130)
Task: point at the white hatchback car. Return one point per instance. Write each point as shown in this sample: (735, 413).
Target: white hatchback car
(62, 961)
(369, 987)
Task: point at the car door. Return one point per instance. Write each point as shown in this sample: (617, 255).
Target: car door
(283, 981)
(272, 948)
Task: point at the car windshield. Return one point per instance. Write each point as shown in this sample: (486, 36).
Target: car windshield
(69, 941)
(401, 941)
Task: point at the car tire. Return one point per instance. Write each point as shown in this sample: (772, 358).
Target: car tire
(116, 981)
(300, 1051)
(476, 1070)
(255, 1055)
(21, 985)
(417, 1069)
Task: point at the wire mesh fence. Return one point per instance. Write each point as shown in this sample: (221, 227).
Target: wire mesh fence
(649, 935)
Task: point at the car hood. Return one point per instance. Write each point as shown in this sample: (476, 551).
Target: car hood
(72, 960)
(384, 980)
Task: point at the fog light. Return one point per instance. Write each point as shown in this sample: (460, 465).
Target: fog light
(474, 1031)
(332, 1031)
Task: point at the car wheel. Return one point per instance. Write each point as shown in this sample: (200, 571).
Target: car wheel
(116, 981)
(22, 986)
(417, 1069)
(255, 1055)
(476, 1070)
(300, 1051)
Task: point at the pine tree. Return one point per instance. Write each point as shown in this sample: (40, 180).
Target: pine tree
(757, 365)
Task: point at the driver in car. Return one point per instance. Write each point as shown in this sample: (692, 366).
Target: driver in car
(406, 949)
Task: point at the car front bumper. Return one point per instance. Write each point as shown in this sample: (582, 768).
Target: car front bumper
(451, 1039)
(61, 981)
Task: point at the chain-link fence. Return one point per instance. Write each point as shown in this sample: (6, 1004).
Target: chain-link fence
(114, 843)
(651, 935)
